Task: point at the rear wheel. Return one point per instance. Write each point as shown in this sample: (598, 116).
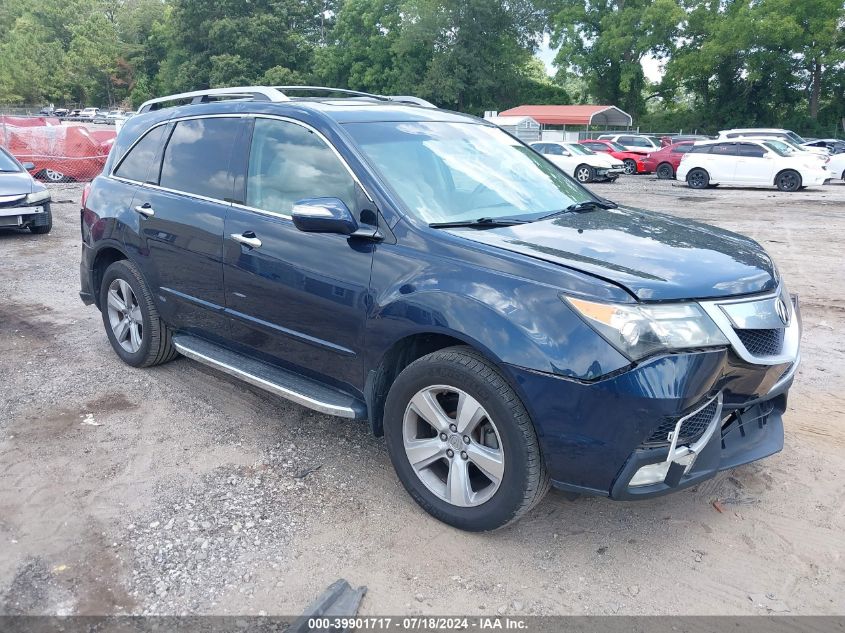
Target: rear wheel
(788, 180)
(461, 441)
(665, 171)
(698, 179)
(136, 332)
(585, 173)
(630, 166)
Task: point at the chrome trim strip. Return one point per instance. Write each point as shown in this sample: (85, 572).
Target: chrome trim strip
(791, 336)
(279, 390)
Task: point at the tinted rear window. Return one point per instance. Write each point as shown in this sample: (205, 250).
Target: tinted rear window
(196, 159)
(137, 162)
(749, 149)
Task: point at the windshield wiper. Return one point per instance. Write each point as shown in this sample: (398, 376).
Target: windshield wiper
(580, 207)
(480, 223)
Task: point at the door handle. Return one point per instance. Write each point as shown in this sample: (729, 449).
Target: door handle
(145, 209)
(247, 238)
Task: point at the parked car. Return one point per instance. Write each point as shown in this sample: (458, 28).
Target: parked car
(836, 166)
(61, 112)
(423, 270)
(749, 163)
(769, 132)
(832, 145)
(632, 161)
(580, 162)
(101, 117)
(59, 153)
(23, 201)
(664, 162)
(637, 143)
(89, 113)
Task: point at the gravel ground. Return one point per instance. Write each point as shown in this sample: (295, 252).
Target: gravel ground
(177, 490)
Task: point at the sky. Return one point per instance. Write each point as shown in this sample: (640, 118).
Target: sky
(651, 66)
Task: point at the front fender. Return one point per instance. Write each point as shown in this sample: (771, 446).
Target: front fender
(509, 319)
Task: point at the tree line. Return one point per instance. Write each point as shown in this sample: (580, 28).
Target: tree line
(724, 62)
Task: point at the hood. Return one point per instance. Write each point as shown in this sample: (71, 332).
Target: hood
(13, 183)
(604, 160)
(654, 256)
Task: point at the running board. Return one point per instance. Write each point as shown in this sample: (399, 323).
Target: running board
(299, 389)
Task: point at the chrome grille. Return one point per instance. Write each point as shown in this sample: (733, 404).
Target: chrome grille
(762, 342)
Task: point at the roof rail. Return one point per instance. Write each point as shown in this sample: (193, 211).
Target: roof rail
(255, 93)
(274, 94)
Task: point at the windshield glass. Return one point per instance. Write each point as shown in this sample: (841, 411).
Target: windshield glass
(7, 163)
(771, 145)
(784, 146)
(795, 138)
(617, 147)
(577, 148)
(455, 172)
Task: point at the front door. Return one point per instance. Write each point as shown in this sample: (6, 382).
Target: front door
(299, 299)
(752, 166)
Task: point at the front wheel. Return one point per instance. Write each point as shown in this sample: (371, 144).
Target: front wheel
(630, 166)
(585, 173)
(462, 443)
(665, 171)
(698, 179)
(788, 180)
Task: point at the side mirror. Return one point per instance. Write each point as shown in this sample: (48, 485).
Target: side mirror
(323, 215)
(28, 166)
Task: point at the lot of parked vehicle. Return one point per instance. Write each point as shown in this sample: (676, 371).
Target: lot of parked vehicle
(179, 489)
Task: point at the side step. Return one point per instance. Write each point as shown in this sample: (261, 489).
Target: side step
(286, 384)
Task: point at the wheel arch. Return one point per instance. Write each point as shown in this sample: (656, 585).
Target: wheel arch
(105, 256)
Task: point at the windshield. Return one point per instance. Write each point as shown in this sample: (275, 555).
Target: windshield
(454, 172)
(795, 138)
(617, 147)
(577, 148)
(7, 163)
(783, 145)
(771, 145)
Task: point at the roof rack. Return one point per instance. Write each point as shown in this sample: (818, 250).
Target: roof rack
(273, 94)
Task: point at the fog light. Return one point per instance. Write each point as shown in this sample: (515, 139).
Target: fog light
(650, 474)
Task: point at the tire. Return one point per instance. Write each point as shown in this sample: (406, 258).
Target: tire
(585, 173)
(45, 225)
(502, 430)
(698, 179)
(788, 180)
(630, 166)
(843, 175)
(665, 171)
(51, 175)
(152, 345)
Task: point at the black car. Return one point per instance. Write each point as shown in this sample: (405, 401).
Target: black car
(379, 259)
(24, 202)
(833, 145)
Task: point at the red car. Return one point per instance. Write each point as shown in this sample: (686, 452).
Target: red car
(664, 162)
(632, 161)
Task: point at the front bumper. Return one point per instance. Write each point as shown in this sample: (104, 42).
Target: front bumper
(28, 215)
(597, 436)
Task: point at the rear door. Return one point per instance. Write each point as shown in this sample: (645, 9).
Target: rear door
(752, 167)
(721, 162)
(299, 299)
(182, 209)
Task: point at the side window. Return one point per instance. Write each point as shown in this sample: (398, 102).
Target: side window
(626, 140)
(555, 150)
(640, 142)
(539, 147)
(288, 163)
(136, 163)
(701, 149)
(196, 159)
(751, 150)
(724, 149)
(682, 149)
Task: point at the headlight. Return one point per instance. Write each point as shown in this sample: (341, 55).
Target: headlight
(38, 196)
(641, 330)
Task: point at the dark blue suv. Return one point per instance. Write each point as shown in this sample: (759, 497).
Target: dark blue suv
(379, 259)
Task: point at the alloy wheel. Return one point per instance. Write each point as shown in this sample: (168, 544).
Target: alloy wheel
(125, 317)
(629, 166)
(582, 174)
(697, 179)
(788, 181)
(453, 445)
(54, 176)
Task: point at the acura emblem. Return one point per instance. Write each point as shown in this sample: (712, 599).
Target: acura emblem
(782, 310)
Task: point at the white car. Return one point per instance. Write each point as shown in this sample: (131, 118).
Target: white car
(89, 113)
(580, 162)
(639, 143)
(772, 132)
(749, 163)
(836, 166)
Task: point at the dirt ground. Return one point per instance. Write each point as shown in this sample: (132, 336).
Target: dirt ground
(177, 489)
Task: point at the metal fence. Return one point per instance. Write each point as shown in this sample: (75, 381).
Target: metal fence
(58, 150)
